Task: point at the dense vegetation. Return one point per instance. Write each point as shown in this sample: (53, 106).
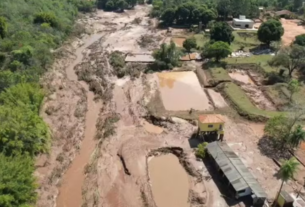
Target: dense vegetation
(29, 31)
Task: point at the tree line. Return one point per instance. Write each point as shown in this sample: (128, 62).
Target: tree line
(29, 31)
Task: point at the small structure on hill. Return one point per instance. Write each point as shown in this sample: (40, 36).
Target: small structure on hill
(242, 22)
(211, 127)
(235, 174)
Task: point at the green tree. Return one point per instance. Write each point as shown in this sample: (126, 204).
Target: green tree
(24, 95)
(3, 27)
(297, 4)
(183, 13)
(46, 17)
(287, 171)
(297, 136)
(269, 31)
(131, 3)
(8, 78)
(284, 130)
(168, 16)
(201, 150)
(278, 129)
(189, 44)
(293, 87)
(167, 56)
(207, 16)
(300, 40)
(122, 5)
(292, 58)
(17, 183)
(22, 131)
(221, 31)
(217, 50)
(224, 8)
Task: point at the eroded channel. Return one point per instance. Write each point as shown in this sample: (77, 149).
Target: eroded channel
(169, 181)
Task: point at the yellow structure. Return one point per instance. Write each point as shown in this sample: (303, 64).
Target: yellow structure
(211, 124)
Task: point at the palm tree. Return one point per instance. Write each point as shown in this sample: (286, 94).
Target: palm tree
(287, 172)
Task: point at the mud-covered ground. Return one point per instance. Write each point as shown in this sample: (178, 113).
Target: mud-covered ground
(114, 173)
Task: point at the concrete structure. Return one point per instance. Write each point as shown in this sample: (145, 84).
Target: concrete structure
(242, 22)
(211, 127)
(140, 58)
(235, 175)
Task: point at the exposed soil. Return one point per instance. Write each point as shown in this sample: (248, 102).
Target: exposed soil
(252, 90)
(217, 99)
(291, 30)
(178, 41)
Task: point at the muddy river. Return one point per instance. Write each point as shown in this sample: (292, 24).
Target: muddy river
(169, 181)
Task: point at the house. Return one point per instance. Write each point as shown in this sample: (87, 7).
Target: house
(191, 56)
(283, 13)
(211, 124)
(234, 174)
(242, 22)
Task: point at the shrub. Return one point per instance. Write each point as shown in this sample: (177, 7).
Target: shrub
(117, 59)
(3, 27)
(86, 6)
(17, 183)
(201, 150)
(46, 17)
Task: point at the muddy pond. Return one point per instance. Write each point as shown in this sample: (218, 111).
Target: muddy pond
(169, 181)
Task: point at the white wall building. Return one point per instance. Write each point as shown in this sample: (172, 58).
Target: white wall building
(242, 22)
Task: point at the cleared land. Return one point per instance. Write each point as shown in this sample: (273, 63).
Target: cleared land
(291, 29)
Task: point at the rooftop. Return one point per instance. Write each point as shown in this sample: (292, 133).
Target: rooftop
(242, 20)
(144, 58)
(234, 169)
(211, 118)
(282, 12)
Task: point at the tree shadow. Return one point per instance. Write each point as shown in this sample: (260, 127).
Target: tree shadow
(267, 148)
(194, 141)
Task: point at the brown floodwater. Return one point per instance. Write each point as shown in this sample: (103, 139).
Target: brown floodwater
(169, 181)
(181, 91)
(70, 191)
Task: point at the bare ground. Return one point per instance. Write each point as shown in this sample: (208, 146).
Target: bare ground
(291, 30)
(254, 92)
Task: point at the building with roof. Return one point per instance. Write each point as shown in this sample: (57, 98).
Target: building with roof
(282, 13)
(242, 22)
(191, 56)
(140, 58)
(211, 124)
(235, 173)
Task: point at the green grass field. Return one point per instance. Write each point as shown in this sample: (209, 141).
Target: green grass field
(219, 74)
(201, 39)
(243, 104)
(248, 40)
(261, 60)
